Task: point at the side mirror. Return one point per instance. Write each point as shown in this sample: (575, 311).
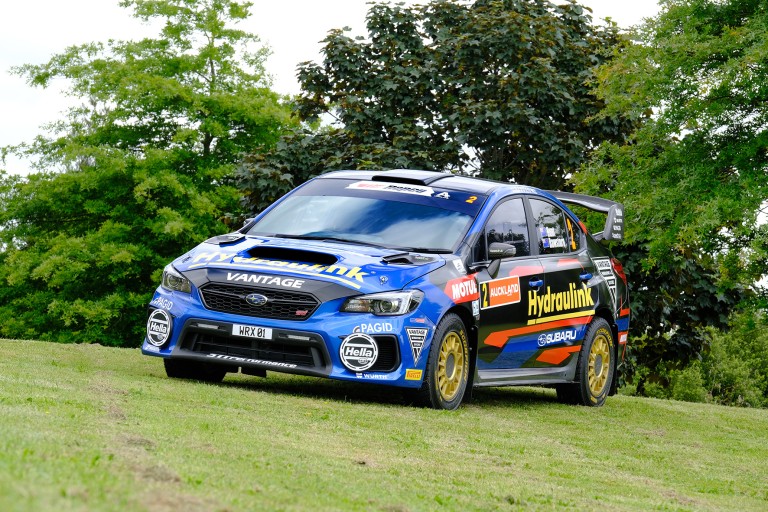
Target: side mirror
(499, 251)
(248, 221)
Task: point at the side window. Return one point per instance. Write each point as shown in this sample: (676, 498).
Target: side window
(555, 232)
(574, 234)
(508, 225)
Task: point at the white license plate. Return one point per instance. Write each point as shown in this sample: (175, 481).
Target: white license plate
(252, 331)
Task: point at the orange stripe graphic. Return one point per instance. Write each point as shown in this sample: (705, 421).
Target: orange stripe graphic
(557, 355)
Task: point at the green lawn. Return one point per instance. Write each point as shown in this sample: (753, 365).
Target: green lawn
(85, 427)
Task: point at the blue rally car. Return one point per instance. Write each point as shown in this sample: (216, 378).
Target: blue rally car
(421, 280)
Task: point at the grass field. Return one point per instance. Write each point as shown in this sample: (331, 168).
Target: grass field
(85, 427)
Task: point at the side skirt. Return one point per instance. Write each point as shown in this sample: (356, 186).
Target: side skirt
(527, 376)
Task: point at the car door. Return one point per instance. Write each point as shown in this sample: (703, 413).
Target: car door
(561, 310)
(505, 286)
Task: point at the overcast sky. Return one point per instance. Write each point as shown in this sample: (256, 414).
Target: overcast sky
(31, 31)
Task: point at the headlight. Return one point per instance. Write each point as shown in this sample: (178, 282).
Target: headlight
(174, 281)
(384, 304)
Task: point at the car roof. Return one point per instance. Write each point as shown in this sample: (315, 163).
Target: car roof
(416, 177)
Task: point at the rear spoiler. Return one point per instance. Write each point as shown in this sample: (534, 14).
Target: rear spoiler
(614, 224)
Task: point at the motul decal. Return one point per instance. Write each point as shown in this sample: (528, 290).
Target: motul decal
(462, 289)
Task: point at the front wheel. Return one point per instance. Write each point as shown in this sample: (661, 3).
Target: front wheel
(447, 372)
(595, 369)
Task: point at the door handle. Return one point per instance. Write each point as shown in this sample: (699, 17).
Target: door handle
(536, 283)
(585, 277)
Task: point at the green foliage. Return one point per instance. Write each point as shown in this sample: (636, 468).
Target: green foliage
(138, 173)
(493, 88)
(670, 307)
(733, 369)
(688, 384)
(736, 368)
(693, 175)
(698, 165)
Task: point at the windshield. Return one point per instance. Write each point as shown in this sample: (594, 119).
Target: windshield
(342, 212)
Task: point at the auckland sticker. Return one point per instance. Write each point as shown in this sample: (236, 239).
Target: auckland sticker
(499, 292)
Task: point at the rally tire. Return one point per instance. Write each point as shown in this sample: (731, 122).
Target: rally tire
(596, 367)
(193, 370)
(447, 373)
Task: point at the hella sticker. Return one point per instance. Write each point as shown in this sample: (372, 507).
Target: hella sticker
(358, 352)
(158, 327)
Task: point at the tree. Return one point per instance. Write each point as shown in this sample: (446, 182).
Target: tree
(693, 176)
(497, 88)
(137, 173)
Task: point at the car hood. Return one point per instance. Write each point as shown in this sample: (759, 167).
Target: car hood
(361, 268)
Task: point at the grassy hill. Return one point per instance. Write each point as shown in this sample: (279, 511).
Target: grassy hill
(85, 427)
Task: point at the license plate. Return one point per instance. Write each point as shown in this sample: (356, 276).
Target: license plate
(252, 331)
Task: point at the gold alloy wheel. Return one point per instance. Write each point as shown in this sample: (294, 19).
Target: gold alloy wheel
(450, 366)
(599, 363)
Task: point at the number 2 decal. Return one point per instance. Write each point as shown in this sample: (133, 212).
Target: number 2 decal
(471, 199)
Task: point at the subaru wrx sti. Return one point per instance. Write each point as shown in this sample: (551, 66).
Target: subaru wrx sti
(426, 281)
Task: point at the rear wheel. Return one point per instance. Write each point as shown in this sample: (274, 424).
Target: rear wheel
(193, 370)
(595, 369)
(447, 372)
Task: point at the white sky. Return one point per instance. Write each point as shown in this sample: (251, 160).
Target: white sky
(31, 31)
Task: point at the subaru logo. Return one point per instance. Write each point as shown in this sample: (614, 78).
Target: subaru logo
(256, 299)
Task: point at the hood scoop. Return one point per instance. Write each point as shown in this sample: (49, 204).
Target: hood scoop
(407, 258)
(283, 254)
(231, 238)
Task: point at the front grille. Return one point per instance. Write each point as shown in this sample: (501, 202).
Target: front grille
(281, 305)
(276, 351)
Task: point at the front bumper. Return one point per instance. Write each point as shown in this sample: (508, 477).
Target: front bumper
(307, 347)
